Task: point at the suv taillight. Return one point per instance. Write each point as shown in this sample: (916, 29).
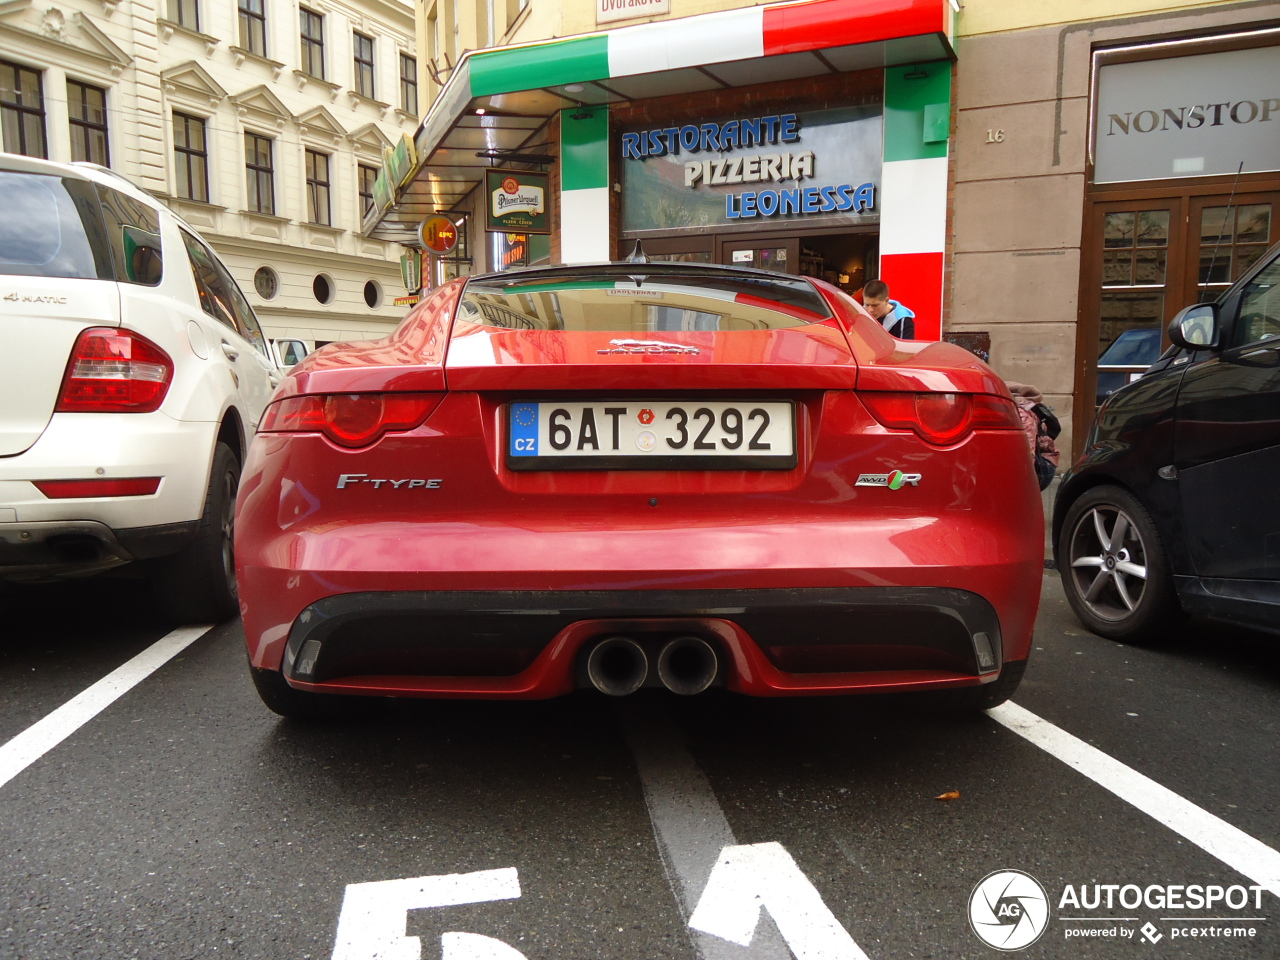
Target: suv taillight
(942, 418)
(114, 371)
(349, 419)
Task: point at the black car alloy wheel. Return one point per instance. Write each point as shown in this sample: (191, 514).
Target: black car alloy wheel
(1114, 567)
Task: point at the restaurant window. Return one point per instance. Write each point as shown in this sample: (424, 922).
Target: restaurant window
(87, 106)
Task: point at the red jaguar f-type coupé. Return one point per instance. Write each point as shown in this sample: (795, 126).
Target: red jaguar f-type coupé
(637, 474)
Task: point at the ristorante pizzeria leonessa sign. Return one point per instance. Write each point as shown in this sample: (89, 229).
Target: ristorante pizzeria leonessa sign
(751, 171)
(517, 202)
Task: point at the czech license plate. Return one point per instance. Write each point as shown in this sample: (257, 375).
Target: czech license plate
(651, 435)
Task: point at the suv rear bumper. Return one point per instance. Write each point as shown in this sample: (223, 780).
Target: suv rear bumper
(48, 550)
(99, 446)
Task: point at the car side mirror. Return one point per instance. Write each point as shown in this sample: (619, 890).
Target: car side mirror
(290, 352)
(1195, 327)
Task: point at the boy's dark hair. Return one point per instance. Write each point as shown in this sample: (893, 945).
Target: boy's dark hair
(876, 290)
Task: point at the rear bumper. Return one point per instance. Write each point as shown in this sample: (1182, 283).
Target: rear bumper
(529, 644)
(98, 446)
(51, 550)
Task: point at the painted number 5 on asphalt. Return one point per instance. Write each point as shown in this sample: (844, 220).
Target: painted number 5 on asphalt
(746, 878)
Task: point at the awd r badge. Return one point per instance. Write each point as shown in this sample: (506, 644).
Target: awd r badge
(894, 481)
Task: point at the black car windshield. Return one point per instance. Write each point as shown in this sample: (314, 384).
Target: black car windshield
(641, 304)
(51, 228)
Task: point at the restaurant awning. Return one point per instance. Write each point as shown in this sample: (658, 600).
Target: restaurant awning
(502, 99)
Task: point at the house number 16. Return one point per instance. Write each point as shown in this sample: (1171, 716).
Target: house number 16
(995, 136)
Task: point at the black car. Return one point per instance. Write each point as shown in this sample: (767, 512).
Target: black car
(1174, 508)
(1126, 359)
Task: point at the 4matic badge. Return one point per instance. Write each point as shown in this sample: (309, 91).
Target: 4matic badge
(895, 480)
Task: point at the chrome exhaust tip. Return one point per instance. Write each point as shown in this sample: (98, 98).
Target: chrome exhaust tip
(688, 665)
(617, 666)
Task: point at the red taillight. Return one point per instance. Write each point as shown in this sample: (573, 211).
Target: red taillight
(942, 418)
(114, 487)
(349, 419)
(114, 371)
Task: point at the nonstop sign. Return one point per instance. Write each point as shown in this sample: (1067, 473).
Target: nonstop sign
(822, 166)
(1194, 116)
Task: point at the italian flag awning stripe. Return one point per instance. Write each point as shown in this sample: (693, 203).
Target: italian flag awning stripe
(796, 27)
(742, 34)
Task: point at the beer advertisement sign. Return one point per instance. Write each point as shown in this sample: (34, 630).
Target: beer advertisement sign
(517, 202)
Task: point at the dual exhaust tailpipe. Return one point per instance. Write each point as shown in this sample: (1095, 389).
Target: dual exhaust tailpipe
(619, 666)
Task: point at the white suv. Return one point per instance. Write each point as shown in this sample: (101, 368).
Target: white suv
(136, 377)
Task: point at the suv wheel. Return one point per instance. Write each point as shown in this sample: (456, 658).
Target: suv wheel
(198, 584)
(1114, 568)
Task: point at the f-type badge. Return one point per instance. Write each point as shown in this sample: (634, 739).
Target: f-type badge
(894, 481)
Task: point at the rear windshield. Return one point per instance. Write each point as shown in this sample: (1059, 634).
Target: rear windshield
(51, 227)
(642, 304)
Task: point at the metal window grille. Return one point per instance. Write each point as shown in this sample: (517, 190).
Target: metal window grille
(191, 158)
(364, 65)
(253, 26)
(22, 110)
(318, 210)
(87, 106)
(312, 43)
(261, 173)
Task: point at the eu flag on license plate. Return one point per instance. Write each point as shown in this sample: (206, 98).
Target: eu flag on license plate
(524, 430)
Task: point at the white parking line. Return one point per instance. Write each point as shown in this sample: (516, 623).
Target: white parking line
(45, 734)
(689, 825)
(1250, 857)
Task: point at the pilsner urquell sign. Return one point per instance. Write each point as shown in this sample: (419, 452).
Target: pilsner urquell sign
(517, 202)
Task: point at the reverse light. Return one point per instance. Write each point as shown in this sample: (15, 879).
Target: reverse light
(110, 487)
(942, 418)
(350, 419)
(114, 371)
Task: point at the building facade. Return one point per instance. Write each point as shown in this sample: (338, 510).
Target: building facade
(1114, 162)
(263, 123)
(1037, 181)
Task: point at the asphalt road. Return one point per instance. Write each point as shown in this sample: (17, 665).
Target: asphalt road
(183, 820)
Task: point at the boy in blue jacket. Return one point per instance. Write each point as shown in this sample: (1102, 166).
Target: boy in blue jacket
(893, 316)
